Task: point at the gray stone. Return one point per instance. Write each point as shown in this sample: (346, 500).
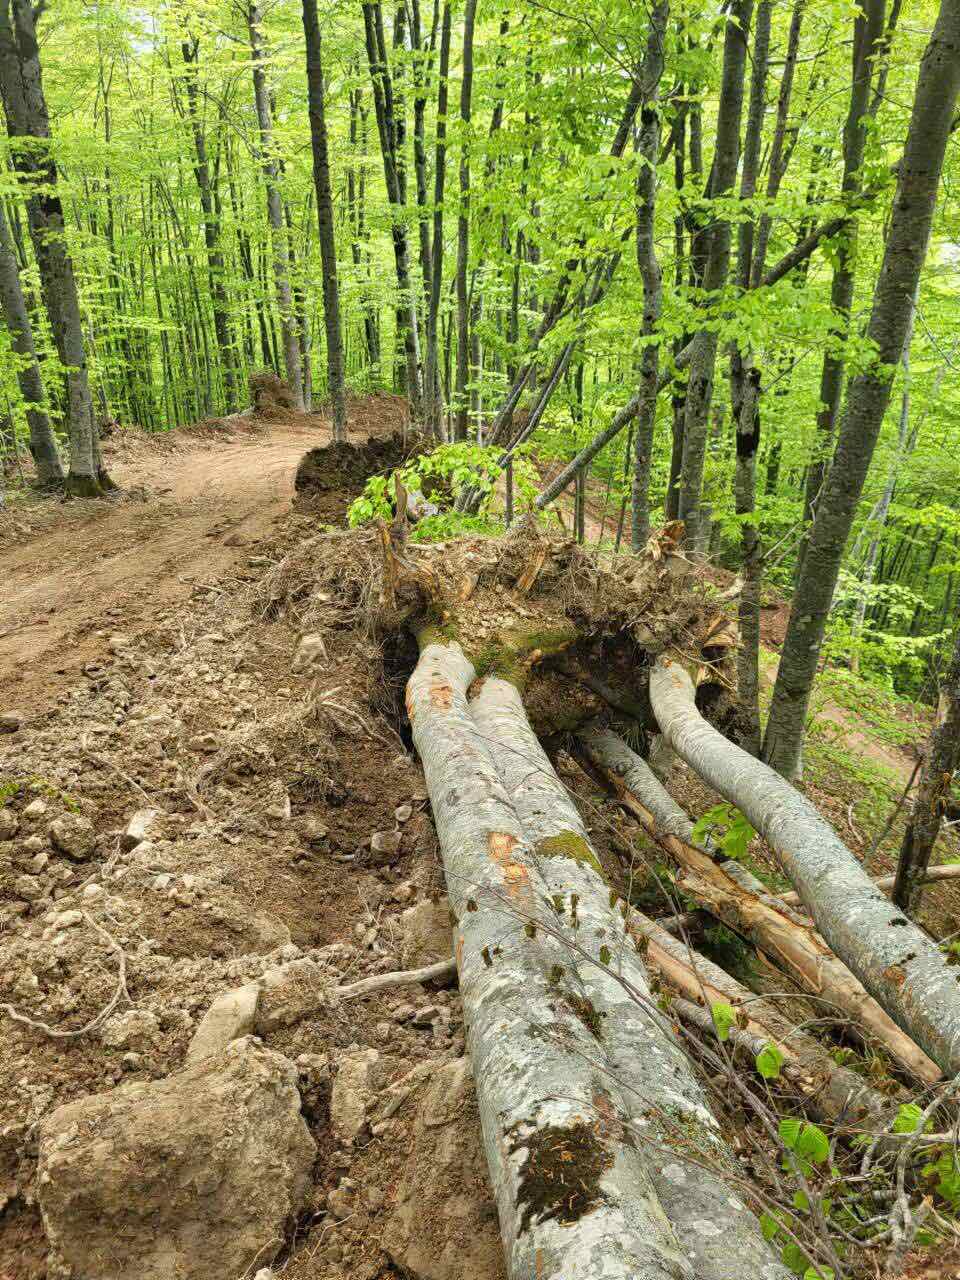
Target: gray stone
(73, 835)
(385, 843)
(28, 888)
(198, 1176)
(443, 1224)
(359, 1078)
(132, 1029)
(11, 721)
(9, 826)
(232, 1015)
(137, 829)
(34, 810)
(426, 932)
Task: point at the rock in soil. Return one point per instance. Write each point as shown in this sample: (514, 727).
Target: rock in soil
(360, 1077)
(73, 835)
(426, 933)
(232, 1015)
(198, 1176)
(444, 1223)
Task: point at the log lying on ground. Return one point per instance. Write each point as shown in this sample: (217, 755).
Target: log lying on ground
(933, 875)
(896, 961)
(697, 1186)
(764, 920)
(833, 1092)
(574, 1198)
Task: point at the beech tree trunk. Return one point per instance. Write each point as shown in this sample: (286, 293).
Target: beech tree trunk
(316, 93)
(384, 106)
(462, 406)
(547, 1104)
(28, 124)
(760, 918)
(433, 399)
(649, 155)
(643, 1057)
(278, 232)
(699, 394)
(936, 779)
(211, 232)
(867, 44)
(901, 967)
(43, 444)
(918, 180)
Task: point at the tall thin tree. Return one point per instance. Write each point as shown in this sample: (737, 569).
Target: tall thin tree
(918, 181)
(316, 93)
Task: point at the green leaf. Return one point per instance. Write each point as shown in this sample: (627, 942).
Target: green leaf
(723, 1019)
(794, 1257)
(908, 1118)
(813, 1144)
(789, 1131)
(801, 1202)
(769, 1226)
(818, 1273)
(769, 1061)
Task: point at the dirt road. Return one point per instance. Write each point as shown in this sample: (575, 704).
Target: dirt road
(100, 568)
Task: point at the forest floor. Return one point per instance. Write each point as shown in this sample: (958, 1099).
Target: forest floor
(141, 644)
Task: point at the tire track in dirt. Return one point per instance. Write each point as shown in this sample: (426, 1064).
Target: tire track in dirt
(207, 504)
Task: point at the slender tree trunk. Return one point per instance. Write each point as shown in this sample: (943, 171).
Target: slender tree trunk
(936, 778)
(649, 154)
(325, 219)
(278, 232)
(211, 227)
(938, 86)
(431, 380)
(43, 444)
(867, 44)
(462, 407)
(393, 177)
(28, 124)
(703, 360)
(901, 967)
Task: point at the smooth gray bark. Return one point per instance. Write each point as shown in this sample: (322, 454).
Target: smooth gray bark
(43, 444)
(716, 1230)
(699, 395)
(540, 1073)
(901, 967)
(738, 899)
(461, 404)
(278, 232)
(936, 779)
(867, 44)
(938, 86)
(837, 1093)
(649, 154)
(28, 124)
(316, 92)
(433, 399)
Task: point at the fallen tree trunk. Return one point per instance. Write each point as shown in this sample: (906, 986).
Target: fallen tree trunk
(833, 1092)
(658, 1086)
(897, 962)
(574, 1198)
(762, 919)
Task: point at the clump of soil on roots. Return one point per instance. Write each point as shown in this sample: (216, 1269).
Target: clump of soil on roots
(329, 478)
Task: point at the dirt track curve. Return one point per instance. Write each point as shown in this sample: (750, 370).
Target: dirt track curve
(104, 567)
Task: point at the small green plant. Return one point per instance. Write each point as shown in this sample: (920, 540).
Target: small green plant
(442, 473)
(726, 829)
